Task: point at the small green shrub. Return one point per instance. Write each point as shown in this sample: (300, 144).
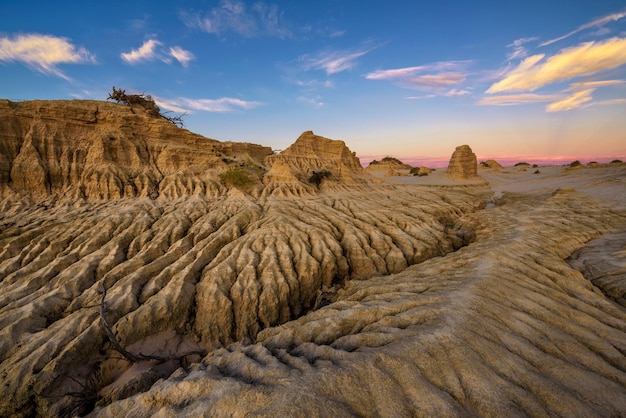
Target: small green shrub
(392, 160)
(236, 177)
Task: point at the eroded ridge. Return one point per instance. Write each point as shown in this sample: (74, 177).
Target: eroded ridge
(503, 327)
(187, 274)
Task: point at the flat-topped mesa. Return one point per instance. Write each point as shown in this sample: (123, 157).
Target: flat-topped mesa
(101, 150)
(312, 160)
(463, 164)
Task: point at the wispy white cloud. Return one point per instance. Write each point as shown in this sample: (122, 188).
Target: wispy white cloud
(595, 84)
(436, 77)
(455, 92)
(426, 96)
(332, 62)
(515, 99)
(408, 72)
(582, 96)
(336, 33)
(608, 102)
(271, 20)
(314, 83)
(315, 101)
(181, 55)
(43, 53)
(578, 95)
(573, 101)
(146, 52)
(233, 16)
(519, 50)
(437, 80)
(395, 74)
(152, 50)
(593, 24)
(222, 105)
(582, 60)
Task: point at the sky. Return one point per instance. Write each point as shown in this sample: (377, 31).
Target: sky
(534, 81)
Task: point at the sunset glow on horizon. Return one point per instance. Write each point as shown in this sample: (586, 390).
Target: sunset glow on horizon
(534, 81)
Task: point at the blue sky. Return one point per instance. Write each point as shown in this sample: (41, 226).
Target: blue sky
(412, 79)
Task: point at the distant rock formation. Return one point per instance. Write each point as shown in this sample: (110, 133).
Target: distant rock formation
(421, 171)
(100, 150)
(313, 153)
(396, 173)
(387, 163)
(462, 165)
(490, 164)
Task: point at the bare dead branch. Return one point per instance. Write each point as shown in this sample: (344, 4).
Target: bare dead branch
(134, 358)
(116, 344)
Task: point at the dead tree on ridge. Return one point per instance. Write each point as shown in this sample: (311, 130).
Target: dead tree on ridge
(146, 102)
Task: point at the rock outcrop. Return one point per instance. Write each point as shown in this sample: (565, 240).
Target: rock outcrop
(99, 150)
(421, 171)
(490, 164)
(462, 165)
(386, 164)
(312, 154)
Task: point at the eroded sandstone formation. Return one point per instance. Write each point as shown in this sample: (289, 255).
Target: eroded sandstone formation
(293, 297)
(211, 271)
(490, 164)
(312, 154)
(100, 150)
(462, 165)
(386, 164)
(503, 327)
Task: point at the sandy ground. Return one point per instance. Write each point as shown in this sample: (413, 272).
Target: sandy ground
(600, 181)
(441, 298)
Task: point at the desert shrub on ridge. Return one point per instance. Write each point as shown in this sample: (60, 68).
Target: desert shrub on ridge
(236, 177)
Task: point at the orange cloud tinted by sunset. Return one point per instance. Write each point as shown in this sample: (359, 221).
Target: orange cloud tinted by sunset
(582, 60)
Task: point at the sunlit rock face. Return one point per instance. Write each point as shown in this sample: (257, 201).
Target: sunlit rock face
(312, 154)
(294, 298)
(462, 164)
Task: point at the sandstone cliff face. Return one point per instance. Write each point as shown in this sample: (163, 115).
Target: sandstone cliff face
(101, 150)
(462, 165)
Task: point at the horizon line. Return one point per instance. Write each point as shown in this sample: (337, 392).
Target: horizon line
(442, 162)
